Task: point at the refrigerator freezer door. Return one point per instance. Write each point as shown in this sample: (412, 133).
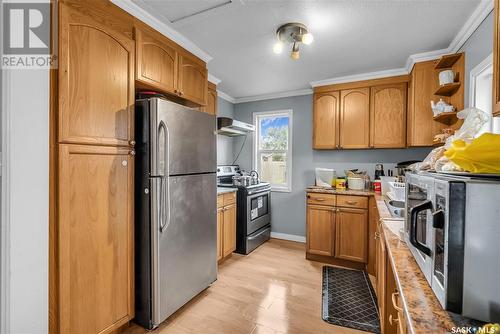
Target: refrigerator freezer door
(186, 259)
(189, 136)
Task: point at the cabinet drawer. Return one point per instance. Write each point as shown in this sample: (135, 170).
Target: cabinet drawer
(320, 199)
(229, 198)
(220, 201)
(360, 202)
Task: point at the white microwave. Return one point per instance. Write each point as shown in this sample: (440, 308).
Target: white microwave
(452, 228)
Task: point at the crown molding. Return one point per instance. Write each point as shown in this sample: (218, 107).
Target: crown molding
(360, 77)
(271, 96)
(484, 8)
(424, 56)
(226, 97)
(133, 9)
(473, 22)
(213, 79)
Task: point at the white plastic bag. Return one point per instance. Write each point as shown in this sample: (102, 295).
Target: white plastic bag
(474, 120)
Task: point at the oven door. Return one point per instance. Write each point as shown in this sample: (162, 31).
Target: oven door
(418, 223)
(258, 210)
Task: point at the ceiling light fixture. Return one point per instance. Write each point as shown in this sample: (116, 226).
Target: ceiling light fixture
(294, 34)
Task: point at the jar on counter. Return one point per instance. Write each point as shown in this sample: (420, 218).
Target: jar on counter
(340, 183)
(377, 186)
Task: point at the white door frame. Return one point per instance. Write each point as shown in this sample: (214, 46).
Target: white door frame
(5, 208)
(474, 73)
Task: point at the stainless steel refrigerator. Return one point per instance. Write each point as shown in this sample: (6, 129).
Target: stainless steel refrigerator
(176, 207)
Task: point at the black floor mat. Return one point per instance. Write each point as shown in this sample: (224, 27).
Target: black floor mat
(349, 299)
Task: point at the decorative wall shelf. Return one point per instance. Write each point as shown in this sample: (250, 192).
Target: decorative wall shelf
(447, 61)
(448, 89)
(446, 117)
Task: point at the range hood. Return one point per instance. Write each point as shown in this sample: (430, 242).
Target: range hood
(229, 127)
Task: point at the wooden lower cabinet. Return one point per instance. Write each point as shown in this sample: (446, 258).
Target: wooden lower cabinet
(95, 238)
(392, 318)
(351, 241)
(336, 232)
(226, 225)
(229, 244)
(220, 233)
(320, 230)
(381, 276)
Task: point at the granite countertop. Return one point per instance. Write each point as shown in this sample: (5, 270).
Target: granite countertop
(423, 311)
(224, 190)
(324, 190)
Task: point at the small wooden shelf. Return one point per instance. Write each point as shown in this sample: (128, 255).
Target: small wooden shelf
(447, 61)
(448, 89)
(446, 117)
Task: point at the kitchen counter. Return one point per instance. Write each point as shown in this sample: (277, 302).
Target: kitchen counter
(324, 190)
(224, 190)
(423, 311)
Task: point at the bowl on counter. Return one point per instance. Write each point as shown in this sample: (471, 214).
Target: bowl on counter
(356, 183)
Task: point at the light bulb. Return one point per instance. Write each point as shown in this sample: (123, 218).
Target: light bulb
(307, 38)
(295, 55)
(278, 47)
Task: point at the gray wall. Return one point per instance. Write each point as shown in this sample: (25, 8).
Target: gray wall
(288, 215)
(224, 143)
(477, 48)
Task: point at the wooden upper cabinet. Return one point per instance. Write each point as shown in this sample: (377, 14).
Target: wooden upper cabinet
(326, 120)
(496, 60)
(355, 118)
(96, 81)
(388, 116)
(156, 61)
(320, 230)
(193, 79)
(351, 235)
(211, 107)
(421, 126)
(95, 238)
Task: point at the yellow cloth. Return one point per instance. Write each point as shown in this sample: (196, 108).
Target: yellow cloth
(482, 155)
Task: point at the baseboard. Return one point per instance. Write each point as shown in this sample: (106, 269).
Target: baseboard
(290, 237)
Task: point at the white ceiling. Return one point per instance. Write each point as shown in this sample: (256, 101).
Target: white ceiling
(350, 37)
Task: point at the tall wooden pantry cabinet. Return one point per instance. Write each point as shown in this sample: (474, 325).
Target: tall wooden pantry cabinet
(95, 145)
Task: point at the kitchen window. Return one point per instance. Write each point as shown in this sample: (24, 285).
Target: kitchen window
(273, 148)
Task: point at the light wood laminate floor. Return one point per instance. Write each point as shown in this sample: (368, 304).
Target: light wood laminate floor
(272, 290)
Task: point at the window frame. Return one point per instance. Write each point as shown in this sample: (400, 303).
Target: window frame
(255, 163)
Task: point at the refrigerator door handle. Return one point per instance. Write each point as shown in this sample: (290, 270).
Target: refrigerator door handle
(165, 181)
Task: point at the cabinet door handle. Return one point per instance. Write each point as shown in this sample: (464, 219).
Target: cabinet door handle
(351, 202)
(377, 235)
(132, 143)
(394, 302)
(132, 152)
(391, 319)
(319, 199)
(338, 210)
